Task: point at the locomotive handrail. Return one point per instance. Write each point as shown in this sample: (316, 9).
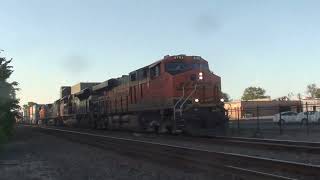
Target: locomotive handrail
(181, 106)
(174, 108)
(194, 90)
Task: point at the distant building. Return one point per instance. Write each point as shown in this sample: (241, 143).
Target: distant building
(311, 104)
(261, 107)
(31, 113)
(26, 114)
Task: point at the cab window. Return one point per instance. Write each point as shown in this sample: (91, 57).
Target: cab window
(143, 73)
(180, 67)
(155, 71)
(133, 76)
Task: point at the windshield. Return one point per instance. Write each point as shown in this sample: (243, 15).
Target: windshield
(179, 67)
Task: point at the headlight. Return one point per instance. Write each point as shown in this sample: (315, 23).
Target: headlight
(222, 100)
(196, 100)
(200, 75)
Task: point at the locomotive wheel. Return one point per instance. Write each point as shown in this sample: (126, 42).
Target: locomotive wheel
(157, 129)
(142, 122)
(95, 125)
(105, 123)
(92, 122)
(167, 125)
(109, 123)
(170, 129)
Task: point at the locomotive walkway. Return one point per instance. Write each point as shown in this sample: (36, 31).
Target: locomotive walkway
(248, 167)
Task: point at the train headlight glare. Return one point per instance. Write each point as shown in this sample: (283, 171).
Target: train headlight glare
(200, 75)
(222, 100)
(196, 100)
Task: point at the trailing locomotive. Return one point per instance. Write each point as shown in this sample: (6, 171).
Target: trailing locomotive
(175, 94)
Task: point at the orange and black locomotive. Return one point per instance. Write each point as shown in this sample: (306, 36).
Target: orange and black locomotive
(175, 94)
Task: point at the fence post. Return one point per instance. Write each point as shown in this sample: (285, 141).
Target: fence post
(258, 123)
(307, 118)
(280, 120)
(238, 111)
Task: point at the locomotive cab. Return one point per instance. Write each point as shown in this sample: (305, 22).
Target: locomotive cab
(196, 95)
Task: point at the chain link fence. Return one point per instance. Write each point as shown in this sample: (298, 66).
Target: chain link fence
(269, 121)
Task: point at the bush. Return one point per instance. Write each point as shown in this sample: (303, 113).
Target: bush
(9, 104)
(7, 124)
(3, 136)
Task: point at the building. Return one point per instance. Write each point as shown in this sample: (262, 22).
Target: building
(311, 104)
(26, 114)
(260, 107)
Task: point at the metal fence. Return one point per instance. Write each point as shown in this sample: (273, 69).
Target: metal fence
(269, 121)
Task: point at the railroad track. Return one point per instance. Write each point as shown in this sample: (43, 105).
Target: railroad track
(247, 167)
(295, 146)
(263, 144)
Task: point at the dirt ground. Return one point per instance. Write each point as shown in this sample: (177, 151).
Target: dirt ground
(35, 156)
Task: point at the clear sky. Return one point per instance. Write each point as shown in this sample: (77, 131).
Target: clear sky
(273, 44)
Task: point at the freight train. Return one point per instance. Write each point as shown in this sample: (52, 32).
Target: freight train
(175, 94)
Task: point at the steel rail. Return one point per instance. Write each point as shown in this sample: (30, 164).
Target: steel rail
(274, 141)
(255, 167)
(296, 146)
(264, 144)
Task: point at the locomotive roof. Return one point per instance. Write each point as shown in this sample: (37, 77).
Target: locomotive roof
(110, 83)
(113, 82)
(169, 58)
(101, 86)
(83, 93)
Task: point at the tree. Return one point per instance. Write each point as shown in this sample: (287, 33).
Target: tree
(299, 96)
(9, 108)
(251, 93)
(312, 90)
(226, 97)
(290, 95)
(317, 95)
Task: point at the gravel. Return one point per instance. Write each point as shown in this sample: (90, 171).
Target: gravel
(35, 156)
(301, 157)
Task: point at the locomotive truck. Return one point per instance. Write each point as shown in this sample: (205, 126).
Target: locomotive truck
(175, 94)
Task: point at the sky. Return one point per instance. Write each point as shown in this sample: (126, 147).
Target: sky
(273, 44)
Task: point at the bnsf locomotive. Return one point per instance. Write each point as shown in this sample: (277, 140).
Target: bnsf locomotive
(175, 94)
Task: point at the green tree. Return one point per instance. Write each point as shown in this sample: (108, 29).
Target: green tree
(312, 90)
(317, 94)
(251, 93)
(9, 108)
